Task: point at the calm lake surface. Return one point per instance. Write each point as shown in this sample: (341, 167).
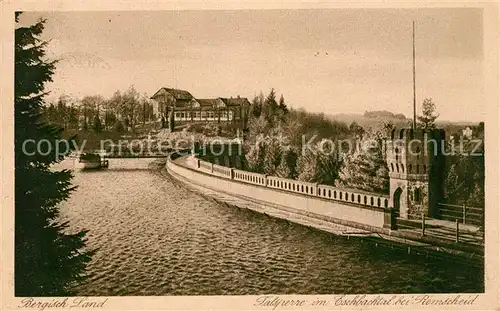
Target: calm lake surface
(156, 238)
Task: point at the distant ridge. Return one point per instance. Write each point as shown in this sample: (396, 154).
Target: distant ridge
(374, 118)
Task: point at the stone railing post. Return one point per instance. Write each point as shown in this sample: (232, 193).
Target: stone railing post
(390, 218)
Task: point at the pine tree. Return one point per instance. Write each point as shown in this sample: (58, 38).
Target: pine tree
(429, 116)
(254, 158)
(48, 262)
(97, 126)
(321, 166)
(365, 168)
(282, 106)
(451, 185)
(272, 158)
(288, 165)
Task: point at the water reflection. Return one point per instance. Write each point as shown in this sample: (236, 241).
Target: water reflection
(157, 238)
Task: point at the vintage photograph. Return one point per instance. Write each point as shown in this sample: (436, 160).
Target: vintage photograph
(334, 151)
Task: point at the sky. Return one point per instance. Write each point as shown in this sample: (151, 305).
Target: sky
(331, 60)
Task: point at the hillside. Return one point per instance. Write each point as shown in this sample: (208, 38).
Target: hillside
(373, 118)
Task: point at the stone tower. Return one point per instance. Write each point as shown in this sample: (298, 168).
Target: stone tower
(416, 163)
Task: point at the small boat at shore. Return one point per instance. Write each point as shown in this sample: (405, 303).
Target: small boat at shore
(91, 161)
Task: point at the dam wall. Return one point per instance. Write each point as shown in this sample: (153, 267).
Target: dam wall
(352, 208)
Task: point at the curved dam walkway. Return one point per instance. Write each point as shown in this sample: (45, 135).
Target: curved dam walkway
(304, 204)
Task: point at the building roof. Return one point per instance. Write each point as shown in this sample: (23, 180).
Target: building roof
(207, 102)
(176, 93)
(238, 101)
(184, 97)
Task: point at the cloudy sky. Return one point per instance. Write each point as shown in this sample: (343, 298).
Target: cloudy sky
(332, 61)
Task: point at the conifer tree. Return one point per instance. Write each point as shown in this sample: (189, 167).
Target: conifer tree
(321, 166)
(365, 168)
(429, 115)
(48, 261)
(288, 166)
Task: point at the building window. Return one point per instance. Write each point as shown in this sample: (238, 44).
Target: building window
(364, 199)
(402, 168)
(371, 201)
(417, 195)
(418, 169)
(359, 198)
(392, 167)
(397, 167)
(409, 168)
(329, 193)
(425, 169)
(378, 202)
(352, 197)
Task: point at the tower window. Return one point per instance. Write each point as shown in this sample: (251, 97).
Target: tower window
(425, 169)
(397, 168)
(418, 169)
(401, 133)
(392, 167)
(409, 168)
(402, 168)
(417, 195)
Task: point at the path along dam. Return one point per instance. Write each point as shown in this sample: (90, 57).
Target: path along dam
(156, 236)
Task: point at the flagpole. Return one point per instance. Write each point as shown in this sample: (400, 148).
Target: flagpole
(414, 92)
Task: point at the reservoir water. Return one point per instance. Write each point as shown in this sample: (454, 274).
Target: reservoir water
(153, 237)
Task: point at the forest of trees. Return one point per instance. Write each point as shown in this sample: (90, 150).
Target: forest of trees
(277, 134)
(121, 112)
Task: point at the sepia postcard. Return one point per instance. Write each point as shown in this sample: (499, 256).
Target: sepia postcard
(250, 155)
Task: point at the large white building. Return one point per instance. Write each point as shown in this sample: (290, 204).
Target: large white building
(183, 106)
